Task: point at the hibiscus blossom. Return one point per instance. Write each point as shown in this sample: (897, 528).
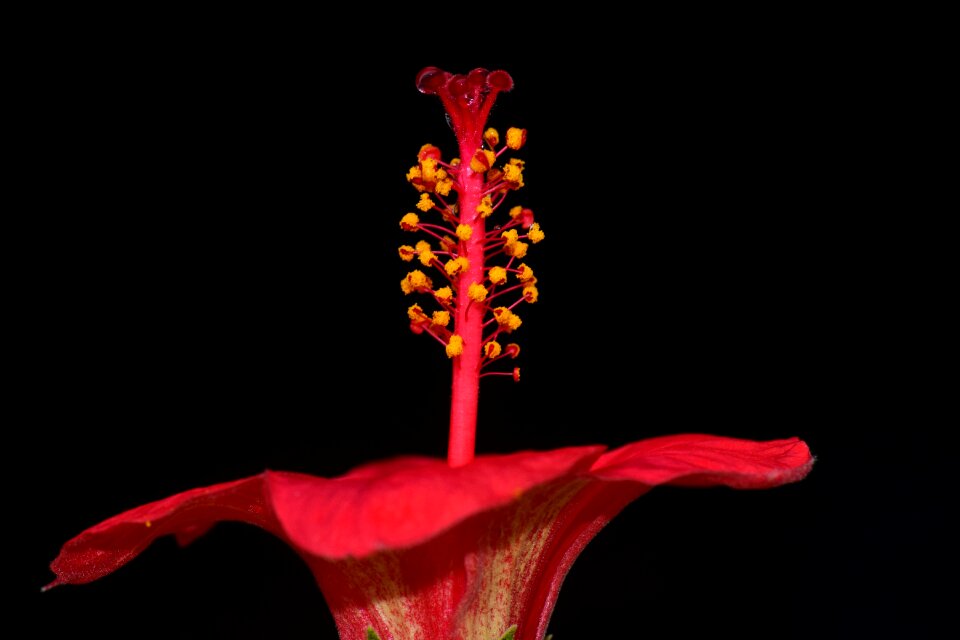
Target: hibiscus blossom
(472, 547)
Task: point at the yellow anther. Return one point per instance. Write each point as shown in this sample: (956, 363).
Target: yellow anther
(513, 247)
(406, 253)
(415, 177)
(477, 292)
(457, 265)
(443, 187)
(492, 137)
(485, 208)
(492, 349)
(427, 257)
(513, 173)
(416, 314)
(497, 275)
(455, 162)
(530, 293)
(526, 273)
(516, 211)
(464, 232)
(482, 160)
(409, 222)
(535, 234)
(513, 350)
(415, 280)
(508, 320)
(443, 295)
(516, 374)
(516, 249)
(516, 137)
(454, 346)
(419, 279)
(441, 318)
(428, 167)
(425, 203)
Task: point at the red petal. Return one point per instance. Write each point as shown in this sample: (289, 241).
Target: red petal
(384, 505)
(406, 501)
(704, 460)
(459, 545)
(106, 547)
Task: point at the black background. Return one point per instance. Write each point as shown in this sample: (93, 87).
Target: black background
(214, 292)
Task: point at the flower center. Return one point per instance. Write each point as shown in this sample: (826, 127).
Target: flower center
(481, 277)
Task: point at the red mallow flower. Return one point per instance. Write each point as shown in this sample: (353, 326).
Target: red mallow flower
(413, 548)
(473, 548)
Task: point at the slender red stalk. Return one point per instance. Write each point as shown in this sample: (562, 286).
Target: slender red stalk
(468, 320)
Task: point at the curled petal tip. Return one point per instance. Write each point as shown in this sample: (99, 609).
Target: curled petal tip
(431, 79)
(500, 80)
(477, 77)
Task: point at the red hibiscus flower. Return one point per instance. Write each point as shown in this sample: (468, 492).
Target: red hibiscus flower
(474, 547)
(415, 548)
